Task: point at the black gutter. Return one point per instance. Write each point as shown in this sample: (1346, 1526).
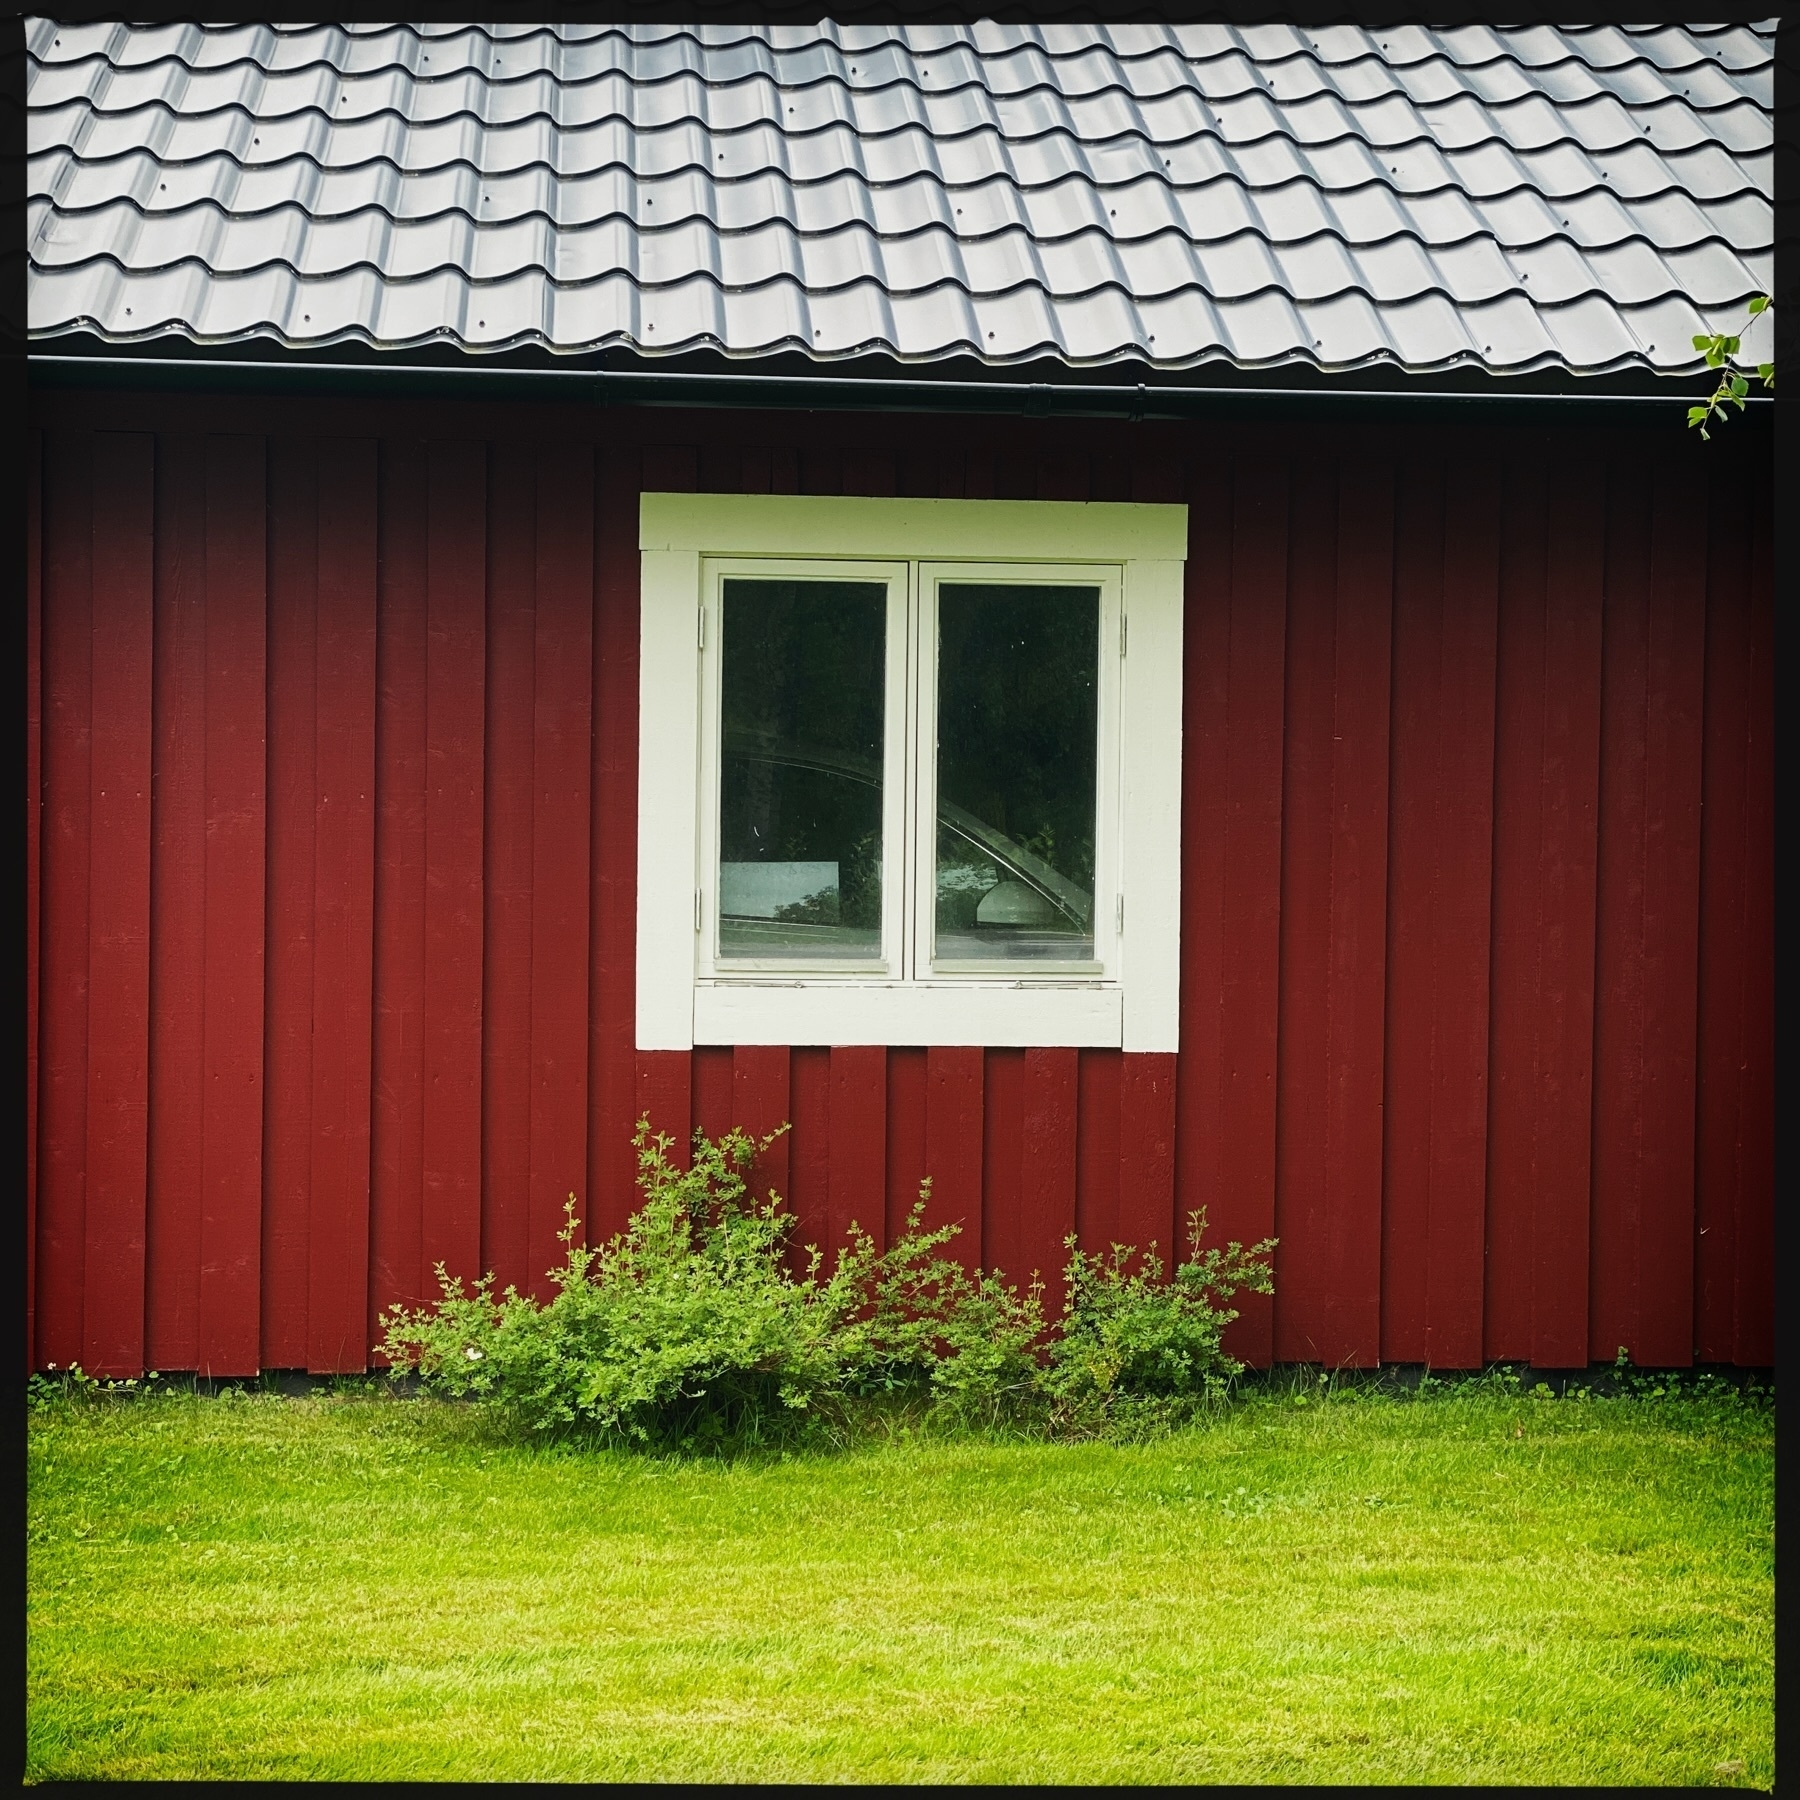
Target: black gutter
(821, 393)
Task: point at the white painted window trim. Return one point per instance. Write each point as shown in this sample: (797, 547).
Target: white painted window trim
(689, 542)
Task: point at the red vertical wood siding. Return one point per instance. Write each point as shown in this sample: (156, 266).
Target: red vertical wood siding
(34, 822)
(343, 910)
(1440, 886)
(332, 744)
(1237, 576)
(68, 634)
(118, 1067)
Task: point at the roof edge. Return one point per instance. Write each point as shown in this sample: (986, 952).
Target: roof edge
(824, 393)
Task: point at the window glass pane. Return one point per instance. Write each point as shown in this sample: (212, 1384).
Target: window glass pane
(1018, 677)
(804, 665)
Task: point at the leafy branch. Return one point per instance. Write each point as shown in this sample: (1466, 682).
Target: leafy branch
(1733, 387)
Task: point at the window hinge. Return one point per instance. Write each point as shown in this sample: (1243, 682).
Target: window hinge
(1122, 625)
(1121, 915)
(702, 636)
(696, 909)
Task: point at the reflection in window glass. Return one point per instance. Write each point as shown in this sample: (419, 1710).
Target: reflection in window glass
(804, 666)
(1018, 675)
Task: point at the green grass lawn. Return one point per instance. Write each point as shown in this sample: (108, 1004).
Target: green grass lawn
(1473, 1587)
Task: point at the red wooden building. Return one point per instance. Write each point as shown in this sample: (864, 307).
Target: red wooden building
(1295, 743)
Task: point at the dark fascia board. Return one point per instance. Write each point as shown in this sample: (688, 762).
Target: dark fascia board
(766, 391)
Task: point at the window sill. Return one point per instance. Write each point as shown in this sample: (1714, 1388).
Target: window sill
(1072, 1011)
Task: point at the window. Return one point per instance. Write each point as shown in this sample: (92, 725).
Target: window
(903, 763)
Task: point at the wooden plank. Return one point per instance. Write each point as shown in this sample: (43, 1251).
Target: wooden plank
(294, 741)
(232, 980)
(1518, 797)
(1047, 1166)
(34, 820)
(869, 472)
(1723, 952)
(612, 852)
(1146, 1139)
(400, 1272)
(1303, 1218)
(669, 469)
(1674, 758)
(809, 1155)
(1418, 648)
(123, 562)
(721, 469)
(1062, 475)
(821, 469)
(177, 924)
(1566, 927)
(1356, 972)
(1754, 1345)
(455, 658)
(953, 1111)
(1015, 469)
(1206, 689)
(1461, 923)
(712, 1090)
(858, 1190)
(1620, 903)
(562, 739)
(67, 842)
(338, 1266)
(1098, 1153)
(664, 1096)
(760, 1105)
(1003, 1245)
(907, 1164)
(756, 473)
(1249, 925)
(509, 820)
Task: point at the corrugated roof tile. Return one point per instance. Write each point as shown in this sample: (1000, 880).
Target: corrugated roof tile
(1518, 197)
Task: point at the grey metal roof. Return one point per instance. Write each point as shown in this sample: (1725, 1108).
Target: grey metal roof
(1539, 197)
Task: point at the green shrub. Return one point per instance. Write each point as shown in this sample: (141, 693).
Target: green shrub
(1128, 1336)
(704, 1321)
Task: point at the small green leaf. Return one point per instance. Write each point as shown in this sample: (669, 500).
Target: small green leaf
(1731, 345)
(1765, 373)
(1697, 413)
(1759, 304)
(1739, 387)
(1702, 343)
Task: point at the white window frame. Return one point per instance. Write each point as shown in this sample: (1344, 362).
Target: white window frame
(691, 543)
